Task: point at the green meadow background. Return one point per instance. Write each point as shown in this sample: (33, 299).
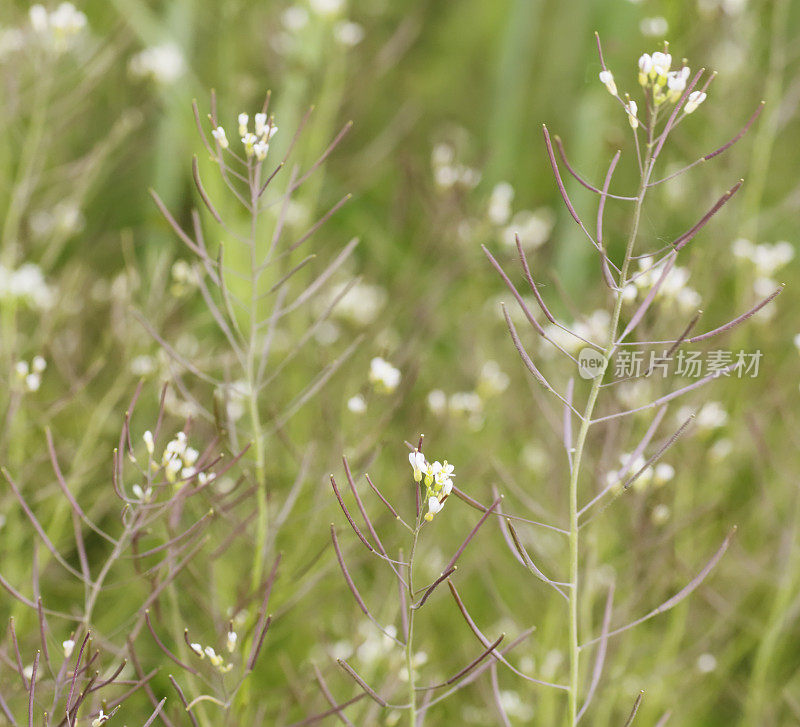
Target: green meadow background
(480, 77)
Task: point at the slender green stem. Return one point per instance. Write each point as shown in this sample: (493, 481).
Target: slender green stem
(412, 684)
(580, 443)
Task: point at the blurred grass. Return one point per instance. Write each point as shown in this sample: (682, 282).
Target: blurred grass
(484, 76)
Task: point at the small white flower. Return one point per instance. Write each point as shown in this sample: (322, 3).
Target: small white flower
(101, 718)
(437, 400)
(661, 64)
(165, 63)
(348, 33)
(68, 646)
(148, 441)
(190, 456)
(38, 364)
(231, 641)
(197, 649)
(694, 100)
(706, 663)
(645, 68)
(327, 7)
(632, 109)
(261, 148)
(444, 473)
(663, 473)
(219, 135)
(383, 374)
(33, 382)
(213, 657)
(607, 78)
(249, 141)
(142, 494)
(261, 124)
(434, 506)
(38, 18)
(357, 404)
(418, 464)
(295, 18)
(21, 368)
(172, 468)
(243, 120)
(660, 514)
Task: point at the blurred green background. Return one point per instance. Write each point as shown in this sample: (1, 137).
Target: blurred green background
(422, 82)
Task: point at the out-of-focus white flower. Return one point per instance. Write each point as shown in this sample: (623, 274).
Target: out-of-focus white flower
(243, 120)
(33, 382)
(231, 640)
(720, 450)
(58, 28)
(360, 305)
(493, 380)
(12, 40)
(712, 415)
(654, 27)
(220, 136)
(21, 368)
(327, 7)
(607, 79)
(500, 203)
(38, 364)
(796, 341)
(663, 473)
(213, 657)
(261, 124)
(348, 33)
(101, 718)
(294, 18)
(706, 663)
(743, 249)
(164, 63)
(660, 514)
(143, 494)
(383, 375)
(437, 400)
(532, 227)
(694, 100)
(26, 284)
(357, 404)
(148, 441)
(67, 647)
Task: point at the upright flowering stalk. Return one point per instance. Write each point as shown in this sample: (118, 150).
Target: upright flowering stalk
(248, 306)
(670, 94)
(433, 485)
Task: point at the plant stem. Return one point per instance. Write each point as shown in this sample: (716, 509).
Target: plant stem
(412, 685)
(574, 539)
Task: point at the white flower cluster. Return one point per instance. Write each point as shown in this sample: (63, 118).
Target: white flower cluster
(469, 404)
(217, 660)
(360, 305)
(447, 172)
(256, 142)
(711, 416)
(660, 83)
(178, 461)
(65, 219)
(673, 289)
(658, 474)
(59, 28)
(533, 227)
(164, 64)
(438, 479)
(31, 374)
(767, 259)
(26, 284)
(383, 376)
